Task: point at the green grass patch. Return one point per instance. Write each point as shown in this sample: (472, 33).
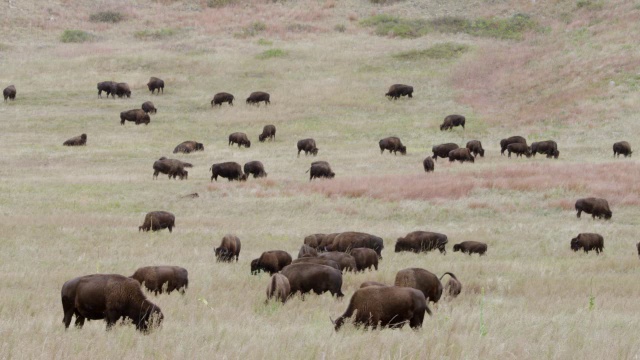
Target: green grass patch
(387, 25)
(265, 42)
(271, 53)
(107, 17)
(252, 30)
(156, 34)
(76, 36)
(220, 3)
(441, 51)
(590, 4)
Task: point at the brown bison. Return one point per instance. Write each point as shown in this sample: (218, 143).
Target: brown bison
(307, 251)
(365, 258)
(109, 297)
(308, 277)
(278, 288)
(9, 93)
(422, 241)
(352, 240)
(588, 242)
(318, 260)
(270, 261)
(136, 115)
(309, 146)
(443, 150)
(393, 144)
(428, 164)
(255, 168)
(598, 208)
(109, 87)
(230, 170)
(122, 89)
(149, 108)
(512, 140)
(345, 261)
(471, 247)
(453, 287)
(269, 131)
(387, 306)
(222, 97)
(155, 84)
(475, 146)
(397, 90)
(239, 138)
(188, 147)
(258, 96)
(451, 121)
(228, 249)
(372, 283)
(154, 278)
(549, 148)
(519, 149)
(461, 154)
(320, 169)
(76, 141)
(172, 167)
(320, 241)
(619, 148)
(422, 280)
(158, 220)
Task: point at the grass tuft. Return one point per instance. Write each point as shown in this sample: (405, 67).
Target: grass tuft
(271, 53)
(387, 25)
(340, 28)
(220, 3)
(443, 51)
(159, 34)
(589, 4)
(76, 36)
(107, 17)
(265, 42)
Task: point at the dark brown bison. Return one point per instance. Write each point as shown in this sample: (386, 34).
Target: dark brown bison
(549, 148)
(512, 140)
(278, 288)
(269, 131)
(136, 115)
(372, 283)
(308, 146)
(270, 261)
(317, 260)
(453, 287)
(422, 280)
(352, 240)
(149, 108)
(519, 149)
(365, 258)
(258, 96)
(588, 242)
(619, 148)
(386, 306)
(230, 170)
(305, 278)
(345, 261)
(471, 247)
(255, 168)
(158, 220)
(109, 297)
(475, 146)
(598, 208)
(461, 154)
(9, 92)
(428, 164)
(422, 241)
(228, 249)
(320, 169)
(397, 90)
(188, 147)
(222, 97)
(76, 141)
(393, 144)
(638, 246)
(443, 150)
(239, 138)
(122, 89)
(172, 167)
(307, 251)
(155, 84)
(451, 121)
(320, 241)
(109, 87)
(154, 278)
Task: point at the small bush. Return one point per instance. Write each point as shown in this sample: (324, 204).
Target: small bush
(340, 28)
(590, 5)
(264, 42)
(252, 30)
(156, 34)
(442, 51)
(271, 53)
(107, 16)
(76, 36)
(386, 25)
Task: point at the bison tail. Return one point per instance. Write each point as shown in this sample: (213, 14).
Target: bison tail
(450, 274)
(307, 170)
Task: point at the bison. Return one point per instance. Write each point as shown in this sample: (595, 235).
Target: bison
(398, 90)
(318, 260)
(76, 141)
(428, 164)
(320, 241)
(345, 261)
(453, 287)
(228, 249)
(422, 280)
(155, 84)
(598, 208)
(255, 168)
(351, 240)
(512, 140)
(230, 170)
(443, 150)
(188, 147)
(270, 261)
(9, 93)
(475, 146)
(619, 148)
(588, 242)
(122, 89)
(365, 258)
(158, 220)
(109, 297)
(549, 148)
(222, 97)
(109, 87)
(172, 167)
(278, 288)
(393, 144)
(470, 247)
(309, 146)
(269, 131)
(451, 121)
(258, 96)
(461, 154)
(307, 251)
(422, 241)
(149, 108)
(154, 278)
(320, 169)
(519, 149)
(305, 278)
(136, 115)
(239, 138)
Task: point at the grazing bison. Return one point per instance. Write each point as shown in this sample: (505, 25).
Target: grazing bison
(317, 260)
(76, 141)
(422, 280)
(365, 258)
(549, 148)
(155, 277)
(345, 261)
(136, 115)
(320, 241)
(229, 247)
(453, 287)
(9, 92)
(393, 144)
(255, 168)
(320, 169)
(309, 146)
(422, 241)
(278, 288)
(269, 131)
(307, 251)
(519, 149)
(109, 297)
(372, 283)
(451, 121)
(188, 147)
(352, 240)
(172, 167)
(122, 89)
(240, 139)
(588, 242)
(598, 208)
(222, 97)
(471, 247)
(428, 164)
(308, 277)
(230, 170)
(158, 220)
(443, 150)
(397, 90)
(270, 261)
(149, 108)
(619, 148)
(461, 154)
(109, 87)
(258, 96)
(512, 140)
(387, 306)
(155, 84)
(475, 146)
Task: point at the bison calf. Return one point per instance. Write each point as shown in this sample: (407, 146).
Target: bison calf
(228, 249)
(453, 287)
(158, 220)
(588, 242)
(155, 84)
(230, 170)
(452, 121)
(154, 278)
(471, 247)
(258, 96)
(365, 258)
(149, 108)
(393, 144)
(76, 141)
(461, 154)
(278, 288)
(398, 90)
(308, 146)
(269, 131)
(598, 208)
(519, 149)
(512, 140)
(239, 138)
(428, 164)
(622, 148)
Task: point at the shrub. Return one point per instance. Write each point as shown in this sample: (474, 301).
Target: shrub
(589, 4)
(76, 36)
(219, 3)
(271, 53)
(253, 29)
(387, 25)
(156, 34)
(107, 16)
(439, 51)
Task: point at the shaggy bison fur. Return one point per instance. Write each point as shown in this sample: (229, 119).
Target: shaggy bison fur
(512, 140)
(305, 278)
(619, 148)
(222, 97)
(443, 150)
(230, 170)
(172, 167)
(307, 251)
(428, 164)
(255, 168)
(268, 132)
(257, 97)
(320, 241)
(452, 121)
(475, 146)
(393, 144)
(188, 147)
(155, 84)
(228, 249)
(519, 149)
(154, 278)
(320, 169)
(308, 146)
(158, 220)
(278, 288)
(345, 261)
(239, 138)
(76, 141)
(588, 242)
(109, 87)
(9, 93)
(122, 89)
(461, 154)
(598, 208)
(422, 241)
(149, 108)
(397, 90)
(365, 258)
(471, 247)
(422, 280)
(270, 261)
(352, 240)
(549, 148)
(138, 116)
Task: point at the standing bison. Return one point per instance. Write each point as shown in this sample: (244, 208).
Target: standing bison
(619, 148)
(428, 164)
(461, 154)
(598, 208)
(349, 240)
(149, 108)
(76, 141)
(255, 168)
(345, 261)
(270, 261)
(122, 89)
(172, 167)
(519, 149)
(588, 242)
(9, 93)
(393, 144)
(222, 97)
(512, 140)
(239, 138)
(138, 116)
(549, 148)
(308, 277)
(320, 169)
(398, 90)
(257, 97)
(109, 87)
(268, 132)
(228, 249)
(158, 220)
(365, 258)
(475, 146)
(188, 147)
(422, 280)
(443, 150)
(452, 121)
(155, 84)
(278, 288)
(422, 241)
(230, 170)
(308, 146)
(154, 278)
(471, 247)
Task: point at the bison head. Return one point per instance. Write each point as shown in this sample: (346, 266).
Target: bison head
(83, 136)
(556, 154)
(403, 150)
(255, 268)
(574, 244)
(221, 253)
(261, 137)
(442, 127)
(151, 317)
(199, 147)
(243, 177)
(248, 144)
(398, 246)
(607, 214)
(481, 152)
(456, 247)
(314, 151)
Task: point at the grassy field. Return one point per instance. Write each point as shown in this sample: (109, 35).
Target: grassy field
(571, 76)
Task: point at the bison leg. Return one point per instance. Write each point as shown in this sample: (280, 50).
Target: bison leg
(79, 321)
(170, 228)
(68, 314)
(578, 214)
(417, 319)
